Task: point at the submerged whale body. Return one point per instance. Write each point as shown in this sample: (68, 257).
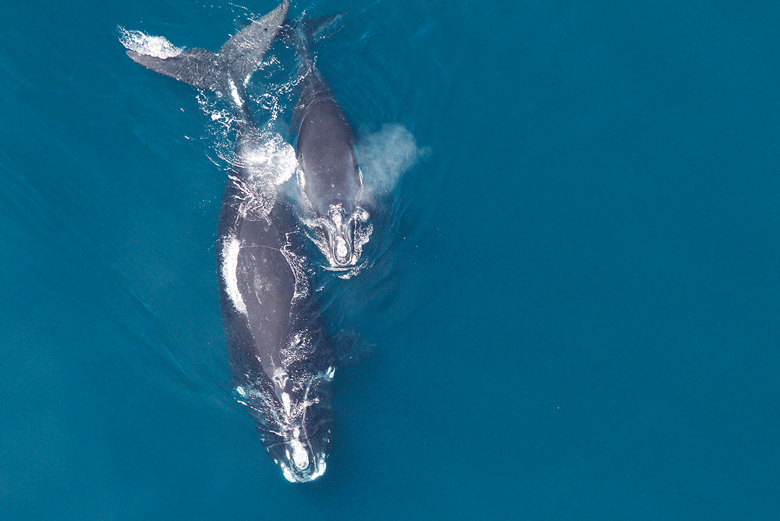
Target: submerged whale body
(281, 355)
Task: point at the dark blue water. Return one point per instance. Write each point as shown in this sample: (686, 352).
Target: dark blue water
(577, 315)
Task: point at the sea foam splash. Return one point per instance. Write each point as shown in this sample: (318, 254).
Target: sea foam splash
(267, 162)
(269, 155)
(142, 43)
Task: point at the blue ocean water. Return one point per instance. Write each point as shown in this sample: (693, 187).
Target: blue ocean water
(576, 315)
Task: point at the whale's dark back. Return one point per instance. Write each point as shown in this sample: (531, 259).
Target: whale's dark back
(325, 146)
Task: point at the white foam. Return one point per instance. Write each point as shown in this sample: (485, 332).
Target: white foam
(142, 43)
(270, 156)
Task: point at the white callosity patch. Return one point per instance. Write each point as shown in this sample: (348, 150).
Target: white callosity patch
(281, 377)
(288, 413)
(362, 234)
(300, 456)
(341, 247)
(142, 43)
(286, 418)
(230, 249)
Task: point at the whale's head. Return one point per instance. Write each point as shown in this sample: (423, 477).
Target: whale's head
(333, 202)
(345, 232)
(301, 456)
(295, 421)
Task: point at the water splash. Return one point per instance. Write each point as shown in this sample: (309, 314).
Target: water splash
(269, 155)
(267, 162)
(142, 43)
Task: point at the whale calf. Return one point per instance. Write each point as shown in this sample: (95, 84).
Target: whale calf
(325, 147)
(281, 355)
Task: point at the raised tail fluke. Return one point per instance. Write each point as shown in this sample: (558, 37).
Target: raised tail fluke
(244, 51)
(197, 67)
(228, 70)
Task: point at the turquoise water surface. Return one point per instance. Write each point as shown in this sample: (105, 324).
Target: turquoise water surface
(574, 307)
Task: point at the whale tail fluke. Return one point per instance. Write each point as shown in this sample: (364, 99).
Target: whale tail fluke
(244, 51)
(228, 70)
(196, 67)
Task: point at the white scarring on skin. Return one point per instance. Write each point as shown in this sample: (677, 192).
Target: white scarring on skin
(142, 43)
(230, 250)
(299, 455)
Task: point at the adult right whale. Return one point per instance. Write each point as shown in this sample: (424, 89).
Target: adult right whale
(325, 146)
(281, 355)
